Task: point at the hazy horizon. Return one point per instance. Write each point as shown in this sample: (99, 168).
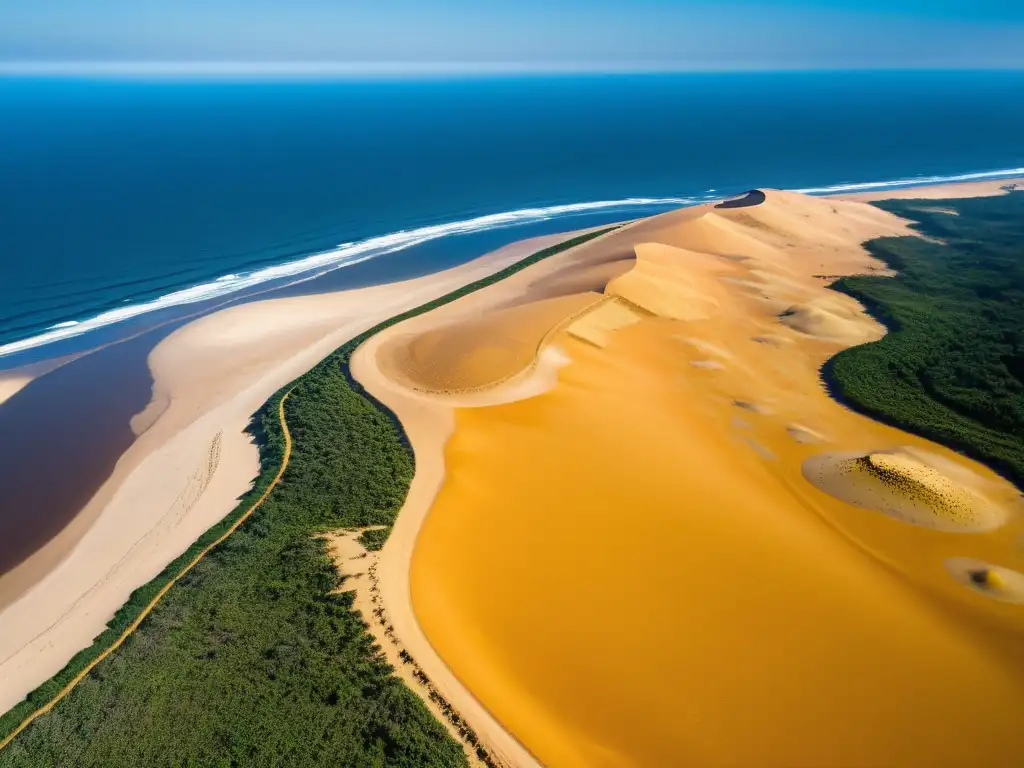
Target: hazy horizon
(485, 36)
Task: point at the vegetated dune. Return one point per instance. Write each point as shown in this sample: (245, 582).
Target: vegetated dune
(682, 551)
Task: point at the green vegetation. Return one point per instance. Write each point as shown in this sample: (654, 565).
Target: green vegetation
(253, 658)
(374, 538)
(952, 367)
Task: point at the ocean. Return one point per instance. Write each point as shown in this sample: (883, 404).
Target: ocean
(124, 200)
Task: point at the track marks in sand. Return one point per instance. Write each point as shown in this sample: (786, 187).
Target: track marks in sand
(358, 567)
(286, 456)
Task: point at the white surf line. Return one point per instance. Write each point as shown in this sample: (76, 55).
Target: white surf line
(917, 181)
(345, 254)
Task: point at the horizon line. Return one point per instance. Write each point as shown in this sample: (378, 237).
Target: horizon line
(329, 69)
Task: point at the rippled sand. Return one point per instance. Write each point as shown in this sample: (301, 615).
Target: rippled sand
(684, 553)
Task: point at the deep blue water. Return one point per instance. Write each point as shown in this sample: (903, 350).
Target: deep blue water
(120, 192)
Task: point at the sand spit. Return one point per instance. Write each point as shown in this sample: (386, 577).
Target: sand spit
(577, 537)
(210, 377)
(12, 384)
(13, 381)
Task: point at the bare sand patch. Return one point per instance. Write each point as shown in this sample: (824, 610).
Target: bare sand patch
(582, 642)
(898, 484)
(10, 385)
(654, 283)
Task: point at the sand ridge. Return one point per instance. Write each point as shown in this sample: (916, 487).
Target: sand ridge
(692, 430)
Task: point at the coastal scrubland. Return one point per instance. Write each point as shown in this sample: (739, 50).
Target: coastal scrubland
(951, 367)
(256, 656)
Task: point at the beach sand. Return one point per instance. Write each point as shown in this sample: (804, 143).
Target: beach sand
(663, 555)
(12, 384)
(213, 374)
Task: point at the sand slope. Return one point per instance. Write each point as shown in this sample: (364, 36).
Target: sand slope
(632, 567)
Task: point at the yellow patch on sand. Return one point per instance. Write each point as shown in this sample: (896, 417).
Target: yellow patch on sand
(624, 574)
(597, 324)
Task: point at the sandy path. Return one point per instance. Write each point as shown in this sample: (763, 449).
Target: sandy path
(210, 377)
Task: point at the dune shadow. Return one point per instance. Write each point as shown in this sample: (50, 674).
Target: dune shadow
(749, 200)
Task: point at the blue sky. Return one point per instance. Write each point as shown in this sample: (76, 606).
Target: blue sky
(428, 35)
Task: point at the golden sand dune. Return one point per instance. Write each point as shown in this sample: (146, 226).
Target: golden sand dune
(993, 581)
(673, 282)
(480, 351)
(608, 316)
(652, 563)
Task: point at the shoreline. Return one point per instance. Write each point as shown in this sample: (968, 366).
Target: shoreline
(209, 377)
